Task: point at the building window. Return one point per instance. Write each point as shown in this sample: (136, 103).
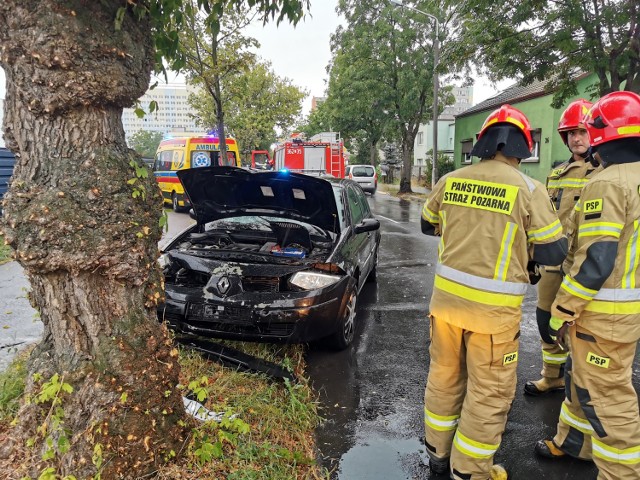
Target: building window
(420, 138)
(467, 146)
(536, 135)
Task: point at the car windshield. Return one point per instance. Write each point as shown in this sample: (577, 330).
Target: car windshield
(362, 171)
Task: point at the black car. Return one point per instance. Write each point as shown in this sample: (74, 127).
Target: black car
(273, 257)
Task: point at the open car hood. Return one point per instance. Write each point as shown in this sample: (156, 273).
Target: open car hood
(223, 192)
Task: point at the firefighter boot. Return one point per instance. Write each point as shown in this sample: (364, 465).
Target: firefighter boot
(548, 449)
(439, 466)
(498, 472)
(544, 386)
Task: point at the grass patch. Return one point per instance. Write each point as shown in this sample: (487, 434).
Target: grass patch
(280, 419)
(5, 251)
(12, 382)
(270, 438)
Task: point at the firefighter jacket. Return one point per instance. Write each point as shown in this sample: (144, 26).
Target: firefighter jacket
(565, 183)
(489, 215)
(601, 290)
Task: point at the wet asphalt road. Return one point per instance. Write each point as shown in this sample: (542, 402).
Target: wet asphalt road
(372, 393)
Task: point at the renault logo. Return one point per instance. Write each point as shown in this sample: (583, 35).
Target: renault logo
(223, 285)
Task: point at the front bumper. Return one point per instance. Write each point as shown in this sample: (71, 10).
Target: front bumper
(292, 317)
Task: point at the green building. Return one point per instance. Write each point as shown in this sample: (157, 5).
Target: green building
(535, 103)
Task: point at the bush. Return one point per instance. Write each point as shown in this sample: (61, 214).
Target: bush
(445, 165)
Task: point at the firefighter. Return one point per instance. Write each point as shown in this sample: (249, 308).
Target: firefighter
(597, 309)
(564, 184)
(489, 216)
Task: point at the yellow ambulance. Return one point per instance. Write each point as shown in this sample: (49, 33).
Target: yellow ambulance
(188, 150)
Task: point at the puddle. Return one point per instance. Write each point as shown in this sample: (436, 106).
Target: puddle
(380, 459)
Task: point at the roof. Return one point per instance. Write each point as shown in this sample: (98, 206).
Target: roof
(513, 94)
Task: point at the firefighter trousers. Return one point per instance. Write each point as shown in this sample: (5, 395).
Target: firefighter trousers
(599, 418)
(553, 358)
(470, 387)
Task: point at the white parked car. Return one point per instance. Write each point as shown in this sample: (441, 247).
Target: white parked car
(364, 175)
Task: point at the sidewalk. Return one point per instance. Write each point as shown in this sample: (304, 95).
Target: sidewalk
(19, 322)
(419, 194)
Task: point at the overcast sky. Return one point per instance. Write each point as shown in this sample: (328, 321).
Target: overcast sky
(302, 53)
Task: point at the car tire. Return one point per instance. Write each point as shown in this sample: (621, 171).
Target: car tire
(373, 192)
(343, 337)
(373, 274)
(174, 202)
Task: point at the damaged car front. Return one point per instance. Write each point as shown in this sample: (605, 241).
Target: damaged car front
(273, 257)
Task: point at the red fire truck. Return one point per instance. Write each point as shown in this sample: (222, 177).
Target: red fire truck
(323, 153)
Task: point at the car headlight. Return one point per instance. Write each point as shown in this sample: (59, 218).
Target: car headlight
(313, 280)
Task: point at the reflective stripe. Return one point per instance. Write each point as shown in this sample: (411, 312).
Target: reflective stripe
(618, 294)
(473, 449)
(627, 456)
(530, 185)
(574, 421)
(631, 260)
(429, 215)
(615, 301)
(554, 359)
(568, 183)
(479, 296)
(504, 257)
(443, 226)
(439, 422)
(578, 207)
(628, 129)
(554, 324)
(473, 281)
(613, 308)
(577, 290)
(543, 233)
(600, 228)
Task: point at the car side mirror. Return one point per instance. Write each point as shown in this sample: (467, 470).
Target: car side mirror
(367, 225)
(192, 214)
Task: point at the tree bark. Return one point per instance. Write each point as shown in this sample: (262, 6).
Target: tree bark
(407, 163)
(373, 153)
(84, 225)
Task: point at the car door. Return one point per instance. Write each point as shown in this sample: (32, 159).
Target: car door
(363, 244)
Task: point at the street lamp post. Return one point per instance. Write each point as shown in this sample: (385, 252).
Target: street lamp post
(436, 52)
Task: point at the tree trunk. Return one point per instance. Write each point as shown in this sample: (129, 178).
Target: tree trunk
(407, 164)
(373, 153)
(84, 225)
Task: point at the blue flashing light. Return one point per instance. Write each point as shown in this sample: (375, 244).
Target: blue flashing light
(284, 170)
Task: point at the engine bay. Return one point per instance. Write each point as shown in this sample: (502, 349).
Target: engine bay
(279, 238)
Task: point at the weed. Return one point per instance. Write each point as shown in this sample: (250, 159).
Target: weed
(12, 382)
(5, 251)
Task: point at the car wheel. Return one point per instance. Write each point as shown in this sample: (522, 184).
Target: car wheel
(373, 274)
(174, 202)
(347, 329)
(373, 192)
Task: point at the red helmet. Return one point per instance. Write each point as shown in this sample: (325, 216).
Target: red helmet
(572, 117)
(508, 114)
(614, 116)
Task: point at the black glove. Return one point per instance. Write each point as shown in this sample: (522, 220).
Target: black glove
(533, 269)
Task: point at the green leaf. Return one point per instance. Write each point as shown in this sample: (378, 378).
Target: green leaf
(48, 473)
(63, 444)
(131, 181)
(120, 17)
(139, 112)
